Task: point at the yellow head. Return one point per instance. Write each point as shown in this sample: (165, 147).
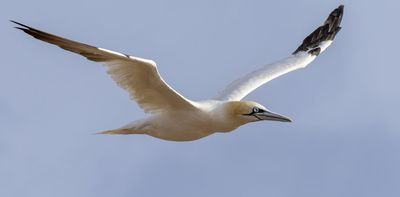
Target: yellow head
(249, 111)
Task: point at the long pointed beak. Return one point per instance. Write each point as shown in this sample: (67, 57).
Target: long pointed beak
(267, 115)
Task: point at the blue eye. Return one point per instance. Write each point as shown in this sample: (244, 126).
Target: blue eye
(256, 109)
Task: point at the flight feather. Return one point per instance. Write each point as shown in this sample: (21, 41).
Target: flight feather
(312, 46)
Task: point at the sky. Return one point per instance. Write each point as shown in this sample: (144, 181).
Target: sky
(344, 141)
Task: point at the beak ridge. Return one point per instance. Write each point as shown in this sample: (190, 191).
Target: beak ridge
(267, 115)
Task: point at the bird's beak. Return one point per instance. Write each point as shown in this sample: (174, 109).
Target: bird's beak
(267, 115)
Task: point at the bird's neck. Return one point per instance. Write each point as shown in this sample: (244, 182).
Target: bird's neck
(224, 118)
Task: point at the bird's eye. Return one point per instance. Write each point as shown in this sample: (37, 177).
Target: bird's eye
(256, 109)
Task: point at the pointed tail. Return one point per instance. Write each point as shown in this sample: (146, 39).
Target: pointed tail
(122, 132)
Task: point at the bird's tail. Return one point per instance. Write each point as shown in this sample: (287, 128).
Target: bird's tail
(326, 32)
(122, 132)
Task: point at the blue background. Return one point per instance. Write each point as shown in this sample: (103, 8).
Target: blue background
(344, 140)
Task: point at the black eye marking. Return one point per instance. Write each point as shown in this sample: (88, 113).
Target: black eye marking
(254, 111)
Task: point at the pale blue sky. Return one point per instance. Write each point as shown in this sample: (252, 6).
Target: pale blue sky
(344, 141)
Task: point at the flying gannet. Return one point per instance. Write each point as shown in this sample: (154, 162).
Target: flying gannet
(176, 118)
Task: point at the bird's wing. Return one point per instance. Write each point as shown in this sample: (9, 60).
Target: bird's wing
(138, 76)
(311, 47)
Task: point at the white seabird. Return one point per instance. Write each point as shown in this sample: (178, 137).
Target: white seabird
(174, 117)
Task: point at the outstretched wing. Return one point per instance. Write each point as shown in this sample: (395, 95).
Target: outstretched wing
(311, 47)
(138, 76)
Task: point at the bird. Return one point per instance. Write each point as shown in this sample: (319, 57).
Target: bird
(172, 116)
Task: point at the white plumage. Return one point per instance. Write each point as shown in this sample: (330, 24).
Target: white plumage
(174, 117)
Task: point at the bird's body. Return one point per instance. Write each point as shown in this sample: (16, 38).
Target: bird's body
(208, 117)
(174, 117)
(182, 125)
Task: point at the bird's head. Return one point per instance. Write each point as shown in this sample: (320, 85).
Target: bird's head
(249, 111)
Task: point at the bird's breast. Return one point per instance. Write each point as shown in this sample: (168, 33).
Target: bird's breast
(187, 126)
(180, 126)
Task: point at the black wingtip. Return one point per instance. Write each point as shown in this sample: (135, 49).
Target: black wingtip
(21, 26)
(323, 33)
